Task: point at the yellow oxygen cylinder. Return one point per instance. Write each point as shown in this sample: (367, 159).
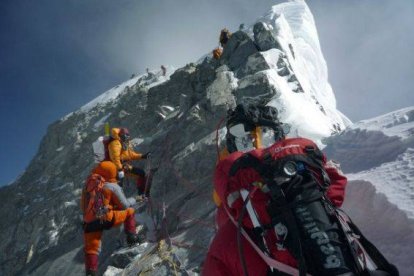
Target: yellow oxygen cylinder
(257, 136)
(107, 129)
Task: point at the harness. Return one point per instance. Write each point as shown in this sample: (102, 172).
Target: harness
(280, 206)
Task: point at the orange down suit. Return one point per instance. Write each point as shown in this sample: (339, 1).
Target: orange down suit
(118, 153)
(119, 210)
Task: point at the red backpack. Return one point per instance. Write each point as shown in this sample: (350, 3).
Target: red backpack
(92, 203)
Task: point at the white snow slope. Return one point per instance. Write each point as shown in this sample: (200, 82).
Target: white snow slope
(393, 178)
(112, 94)
(398, 123)
(312, 114)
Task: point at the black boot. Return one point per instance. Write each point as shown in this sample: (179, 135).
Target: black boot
(91, 273)
(133, 239)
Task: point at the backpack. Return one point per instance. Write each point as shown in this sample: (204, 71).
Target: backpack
(322, 238)
(100, 149)
(100, 146)
(92, 203)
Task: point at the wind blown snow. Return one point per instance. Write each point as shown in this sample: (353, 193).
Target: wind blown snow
(395, 180)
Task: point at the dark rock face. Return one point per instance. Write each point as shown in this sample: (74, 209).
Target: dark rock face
(255, 63)
(254, 88)
(44, 226)
(264, 37)
(47, 229)
(239, 47)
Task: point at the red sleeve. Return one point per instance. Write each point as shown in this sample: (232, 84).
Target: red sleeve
(336, 191)
(214, 267)
(221, 175)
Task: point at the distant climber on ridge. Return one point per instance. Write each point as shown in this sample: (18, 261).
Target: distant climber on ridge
(224, 37)
(120, 153)
(163, 70)
(217, 53)
(104, 206)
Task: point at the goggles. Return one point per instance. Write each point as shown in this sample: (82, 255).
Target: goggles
(124, 136)
(259, 137)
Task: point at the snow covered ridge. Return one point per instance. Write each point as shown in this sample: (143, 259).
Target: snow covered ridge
(384, 224)
(380, 151)
(151, 79)
(395, 180)
(397, 123)
(313, 113)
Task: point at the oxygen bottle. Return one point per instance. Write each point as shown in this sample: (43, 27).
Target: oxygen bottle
(107, 129)
(100, 145)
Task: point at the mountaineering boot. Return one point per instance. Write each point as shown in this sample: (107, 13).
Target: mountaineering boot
(133, 239)
(91, 273)
(141, 180)
(91, 265)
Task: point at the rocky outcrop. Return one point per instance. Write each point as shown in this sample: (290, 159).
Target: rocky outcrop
(264, 38)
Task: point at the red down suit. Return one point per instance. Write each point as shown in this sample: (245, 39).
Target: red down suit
(223, 256)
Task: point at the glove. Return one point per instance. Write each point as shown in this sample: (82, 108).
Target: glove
(146, 155)
(126, 168)
(121, 175)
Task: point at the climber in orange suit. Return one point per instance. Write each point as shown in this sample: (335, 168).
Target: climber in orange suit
(120, 153)
(104, 206)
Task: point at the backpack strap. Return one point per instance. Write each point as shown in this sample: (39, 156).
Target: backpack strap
(249, 161)
(106, 143)
(97, 225)
(268, 260)
(265, 170)
(313, 158)
(372, 251)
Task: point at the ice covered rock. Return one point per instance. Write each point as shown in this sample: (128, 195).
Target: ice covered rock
(123, 257)
(263, 37)
(113, 271)
(219, 93)
(255, 88)
(239, 47)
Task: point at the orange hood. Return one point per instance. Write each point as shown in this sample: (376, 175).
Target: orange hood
(107, 170)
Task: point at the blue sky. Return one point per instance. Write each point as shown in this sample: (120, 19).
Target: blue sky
(57, 55)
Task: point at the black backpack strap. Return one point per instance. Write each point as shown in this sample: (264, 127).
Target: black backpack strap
(316, 155)
(265, 170)
(97, 225)
(248, 161)
(373, 252)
